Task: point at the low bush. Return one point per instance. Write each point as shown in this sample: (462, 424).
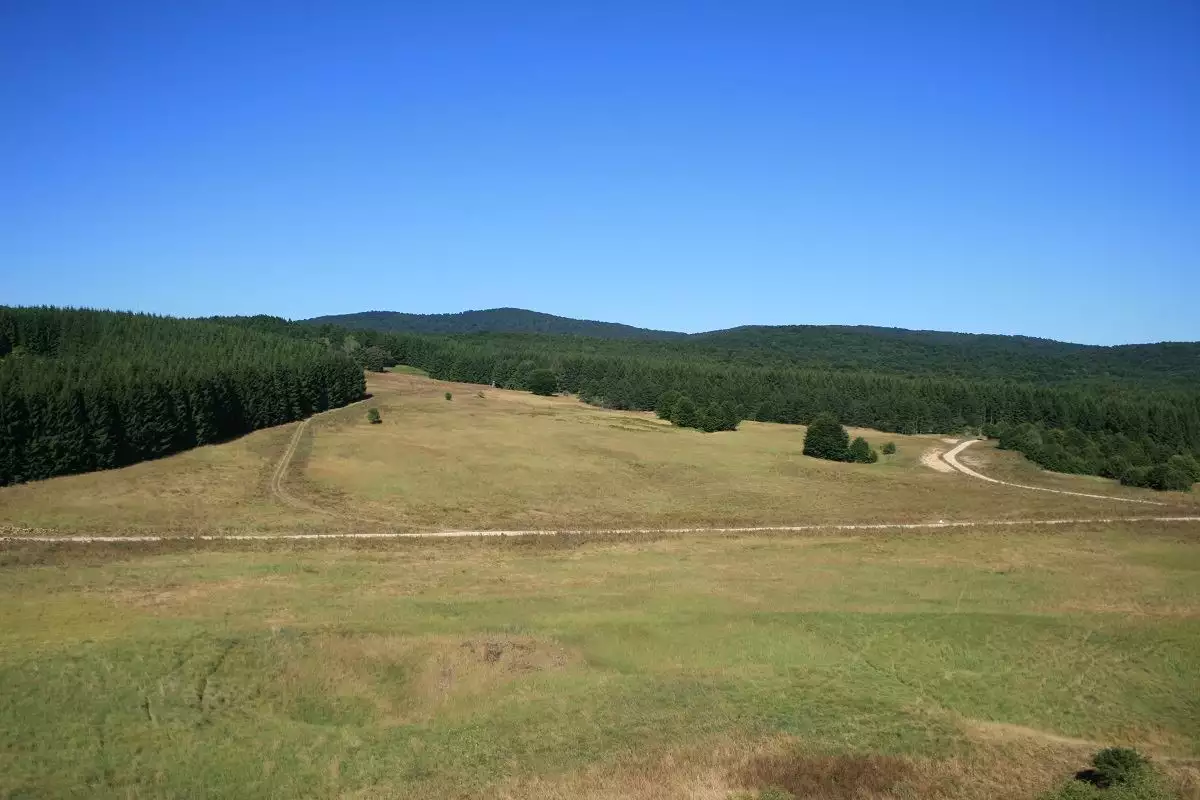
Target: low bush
(373, 416)
(1117, 773)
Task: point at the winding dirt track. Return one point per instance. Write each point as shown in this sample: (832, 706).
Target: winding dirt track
(951, 458)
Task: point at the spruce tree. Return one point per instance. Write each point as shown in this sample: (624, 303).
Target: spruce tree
(666, 404)
(826, 438)
(685, 414)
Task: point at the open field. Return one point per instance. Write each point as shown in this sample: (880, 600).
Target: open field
(495, 459)
(966, 664)
(983, 662)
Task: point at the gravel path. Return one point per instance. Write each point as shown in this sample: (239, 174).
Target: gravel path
(951, 458)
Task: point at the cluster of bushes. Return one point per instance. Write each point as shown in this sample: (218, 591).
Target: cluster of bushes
(681, 410)
(827, 439)
(1117, 773)
(1134, 462)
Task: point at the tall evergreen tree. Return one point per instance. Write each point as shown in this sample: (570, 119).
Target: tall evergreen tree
(685, 414)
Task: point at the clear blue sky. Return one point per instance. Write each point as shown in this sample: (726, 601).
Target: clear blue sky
(1017, 166)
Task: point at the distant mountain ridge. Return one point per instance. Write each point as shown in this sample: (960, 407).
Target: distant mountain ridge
(491, 320)
(838, 347)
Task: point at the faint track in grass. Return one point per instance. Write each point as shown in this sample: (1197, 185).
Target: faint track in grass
(276, 485)
(6, 536)
(951, 458)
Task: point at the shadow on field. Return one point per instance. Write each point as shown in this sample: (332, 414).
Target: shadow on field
(829, 777)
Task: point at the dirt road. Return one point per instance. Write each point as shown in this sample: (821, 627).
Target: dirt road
(9, 536)
(951, 458)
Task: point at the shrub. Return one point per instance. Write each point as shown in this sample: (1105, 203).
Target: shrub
(888, 449)
(373, 416)
(860, 452)
(543, 382)
(449, 396)
(826, 438)
(1117, 765)
(1117, 773)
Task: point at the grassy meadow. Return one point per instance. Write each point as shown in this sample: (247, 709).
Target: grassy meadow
(501, 460)
(966, 664)
(983, 662)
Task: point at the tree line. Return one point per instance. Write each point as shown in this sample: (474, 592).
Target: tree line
(83, 390)
(1159, 423)
(1148, 428)
(1133, 461)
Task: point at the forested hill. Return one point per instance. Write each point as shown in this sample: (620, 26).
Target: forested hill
(961, 355)
(84, 390)
(1104, 417)
(492, 320)
(893, 351)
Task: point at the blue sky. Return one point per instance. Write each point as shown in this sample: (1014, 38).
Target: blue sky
(1006, 167)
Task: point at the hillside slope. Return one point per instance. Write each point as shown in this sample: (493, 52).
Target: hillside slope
(492, 320)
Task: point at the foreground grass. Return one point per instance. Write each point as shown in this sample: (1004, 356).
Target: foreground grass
(687, 667)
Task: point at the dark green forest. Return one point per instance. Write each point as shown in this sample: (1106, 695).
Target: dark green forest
(892, 351)
(85, 390)
(492, 320)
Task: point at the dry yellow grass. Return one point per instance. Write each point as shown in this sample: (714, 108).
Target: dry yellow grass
(496, 459)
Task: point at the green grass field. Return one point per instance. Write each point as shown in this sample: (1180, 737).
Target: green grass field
(977, 663)
(565, 668)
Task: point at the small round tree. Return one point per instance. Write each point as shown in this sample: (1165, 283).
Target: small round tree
(449, 396)
(543, 382)
(860, 452)
(373, 358)
(373, 416)
(826, 438)
(888, 449)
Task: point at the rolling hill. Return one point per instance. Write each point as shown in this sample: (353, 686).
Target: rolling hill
(492, 320)
(836, 347)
